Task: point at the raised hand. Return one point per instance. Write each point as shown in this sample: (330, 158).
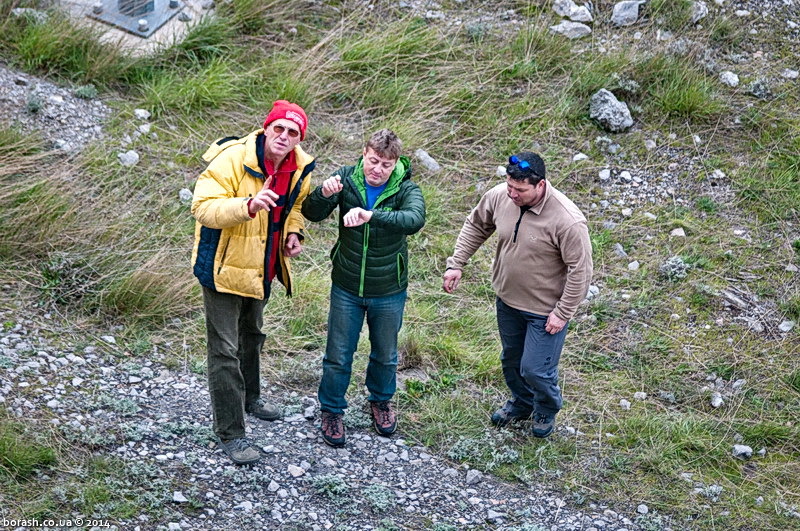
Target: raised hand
(264, 199)
(331, 185)
(357, 216)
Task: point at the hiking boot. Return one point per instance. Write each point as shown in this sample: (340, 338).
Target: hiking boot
(333, 429)
(240, 451)
(509, 413)
(383, 417)
(263, 410)
(543, 425)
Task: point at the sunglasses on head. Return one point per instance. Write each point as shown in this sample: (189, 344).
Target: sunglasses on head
(523, 164)
(279, 129)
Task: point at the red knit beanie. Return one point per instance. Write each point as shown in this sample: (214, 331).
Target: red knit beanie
(289, 111)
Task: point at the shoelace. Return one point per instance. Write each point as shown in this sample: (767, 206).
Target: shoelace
(385, 411)
(239, 444)
(332, 424)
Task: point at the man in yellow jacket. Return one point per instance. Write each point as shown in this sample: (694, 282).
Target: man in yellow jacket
(247, 205)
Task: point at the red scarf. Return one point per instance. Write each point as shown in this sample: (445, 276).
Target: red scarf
(280, 185)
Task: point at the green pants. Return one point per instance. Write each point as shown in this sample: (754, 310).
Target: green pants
(234, 341)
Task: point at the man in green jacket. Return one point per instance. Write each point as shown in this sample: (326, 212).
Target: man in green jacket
(379, 206)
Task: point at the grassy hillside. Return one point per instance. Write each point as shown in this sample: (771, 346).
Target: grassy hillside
(113, 243)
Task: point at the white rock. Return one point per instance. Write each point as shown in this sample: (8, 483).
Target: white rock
(650, 145)
(185, 195)
(699, 11)
(627, 212)
(642, 509)
(716, 400)
(129, 158)
(604, 174)
(427, 161)
(144, 128)
(679, 232)
(634, 266)
(245, 506)
(718, 174)
(178, 497)
(640, 395)
(109, 339)
(141, 114)
(742, 13)
(625, 174)
(742, 451)
(571, 30)
(624, 404)
(625, 13)
(786, 326)
(474, 476)
(609, 112)
(729, 78)
(790, 74)
(579, 157)
(500, 171)
(295, 471)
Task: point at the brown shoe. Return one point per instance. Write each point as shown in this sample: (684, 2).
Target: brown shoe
(333, 429)
(383, 417)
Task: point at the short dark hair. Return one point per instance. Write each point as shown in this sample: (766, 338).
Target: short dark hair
(532, 174)
(386, 144)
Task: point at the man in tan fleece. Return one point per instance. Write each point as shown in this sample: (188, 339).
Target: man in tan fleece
(542, 269)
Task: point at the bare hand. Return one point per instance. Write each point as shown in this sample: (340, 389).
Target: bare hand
(331, 185)
(451, 279)
(264, 199)
(357, 216)
(554, 324)
(292, 247)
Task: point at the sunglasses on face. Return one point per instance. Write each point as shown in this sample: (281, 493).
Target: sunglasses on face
(279, 129)
(523, 164)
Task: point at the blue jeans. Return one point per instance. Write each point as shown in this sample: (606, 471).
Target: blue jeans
(530, 359)
(345, 319)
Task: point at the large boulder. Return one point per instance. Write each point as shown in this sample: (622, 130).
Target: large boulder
(609, 112)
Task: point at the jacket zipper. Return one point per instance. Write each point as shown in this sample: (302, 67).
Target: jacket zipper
(522, 211)
(364, 249)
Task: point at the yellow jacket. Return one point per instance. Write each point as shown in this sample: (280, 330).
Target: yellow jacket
(230, 247)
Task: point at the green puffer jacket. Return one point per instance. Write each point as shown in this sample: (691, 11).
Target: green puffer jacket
(372, 260)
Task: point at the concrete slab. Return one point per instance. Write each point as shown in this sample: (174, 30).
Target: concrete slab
(166, 25)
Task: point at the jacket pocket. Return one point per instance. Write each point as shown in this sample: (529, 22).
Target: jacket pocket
(223, 253)
(401, 269)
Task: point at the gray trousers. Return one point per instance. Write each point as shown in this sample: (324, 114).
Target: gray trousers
(530, 359)
(234, 341)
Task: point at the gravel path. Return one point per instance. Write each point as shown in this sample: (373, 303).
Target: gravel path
(156, 421)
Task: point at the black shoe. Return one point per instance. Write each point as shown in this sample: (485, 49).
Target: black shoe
(543, 425)
(263, 410)
(333, 429)
(383, 417)
(240, 451)
(509, 413)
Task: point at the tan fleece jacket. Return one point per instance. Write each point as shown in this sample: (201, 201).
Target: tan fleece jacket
(544, 264)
